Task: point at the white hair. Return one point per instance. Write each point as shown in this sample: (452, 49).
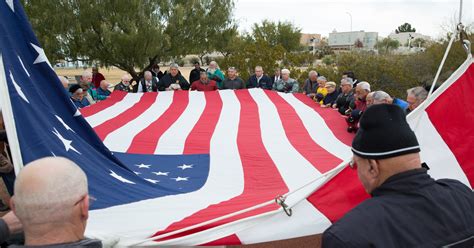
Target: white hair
(47, 189)
(86, 74)
(258, 68)
(214, 63)
(380, 97)
(312, 73)
(419, 93)
(364, 85)
(147, 73)
(64, 81)
(174, 65)
(125, 77)
(347, 80)
(285, 71)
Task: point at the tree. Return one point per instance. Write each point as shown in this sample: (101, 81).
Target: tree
(281, 33)
(404, 28)
(387, 45)
(128, 34)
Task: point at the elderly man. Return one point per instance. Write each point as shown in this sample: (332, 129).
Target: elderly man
(232, 82)
(77, 96)
(64, 81)
(361, 92)
(331, 95)
(52, 202)
(204, 84)
(214, 73)
(147, 84)
(351, 75)
(286, 84)
(259, 80)
(311, 84)
(195, 73)
(124, 84)
(345, 100)
(90, 94)
(382, 97)
(408, 208)
(103, 90)
(97, 77)
(173, 80)
(415, 96)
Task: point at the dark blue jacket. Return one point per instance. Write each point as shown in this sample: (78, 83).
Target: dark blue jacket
(409, 209)
(310, 87)
(330, 98)
(265, 82)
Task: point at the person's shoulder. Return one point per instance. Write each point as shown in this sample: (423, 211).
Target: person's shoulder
(455, 185)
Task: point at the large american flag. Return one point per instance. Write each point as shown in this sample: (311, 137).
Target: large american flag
(194, 168)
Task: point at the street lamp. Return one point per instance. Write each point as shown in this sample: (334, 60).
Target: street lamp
(350, 34)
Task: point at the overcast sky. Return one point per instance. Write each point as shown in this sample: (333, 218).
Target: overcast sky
(382, 16)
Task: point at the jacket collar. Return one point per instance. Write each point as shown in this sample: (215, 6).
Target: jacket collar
(403, 182)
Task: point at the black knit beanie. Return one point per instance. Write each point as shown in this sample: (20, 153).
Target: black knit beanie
(384, 133)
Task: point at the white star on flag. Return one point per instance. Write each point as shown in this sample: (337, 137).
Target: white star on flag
(185, 166)
(147, 166)
(64, 124)
(41, 55)
(159, 173)
(24, 68)
(180, 179)
(152, 181)
(18, 88)
(66, 143)
(120, 178)
(10, 4)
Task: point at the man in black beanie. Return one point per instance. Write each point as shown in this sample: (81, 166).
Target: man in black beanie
(408, 208)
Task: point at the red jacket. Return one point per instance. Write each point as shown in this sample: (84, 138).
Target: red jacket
(96, 79)
(199, 86)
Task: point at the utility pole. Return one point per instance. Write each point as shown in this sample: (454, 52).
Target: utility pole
(350, 34)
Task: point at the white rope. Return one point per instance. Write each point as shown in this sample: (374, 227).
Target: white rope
(328, 174)
(9, 120)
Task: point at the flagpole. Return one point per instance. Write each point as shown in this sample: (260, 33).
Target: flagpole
(9, 120)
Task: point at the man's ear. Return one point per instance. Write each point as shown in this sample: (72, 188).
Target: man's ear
(12, 204)
(374, 168)
(85, 207)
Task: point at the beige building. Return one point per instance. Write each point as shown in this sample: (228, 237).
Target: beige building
(310, 41)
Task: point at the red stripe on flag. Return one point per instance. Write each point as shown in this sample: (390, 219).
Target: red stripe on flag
(335, 122)
(146, 141)
(115, 97)
(452, 114)
(199, 139)
(262, 181)
(299, 136)
(339, 195)
(229, 240)
(125, 117)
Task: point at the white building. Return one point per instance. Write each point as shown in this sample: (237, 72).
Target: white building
(348, 40)
(404, 38)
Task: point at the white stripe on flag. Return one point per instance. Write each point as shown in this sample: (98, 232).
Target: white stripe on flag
(225, 181)
(293, 167)
(318, 129)
(121, 139)
(434, 151)
(306, 220)
(173, 140)
(113, 111)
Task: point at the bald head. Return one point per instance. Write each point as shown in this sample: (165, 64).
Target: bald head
(86, 77)
(47, 190)
(64, 81)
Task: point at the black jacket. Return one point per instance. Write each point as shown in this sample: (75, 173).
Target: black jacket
(409, 209)
(195, 74)
(142, 84)
(344, 102)
(264, 83)
(167, 80)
